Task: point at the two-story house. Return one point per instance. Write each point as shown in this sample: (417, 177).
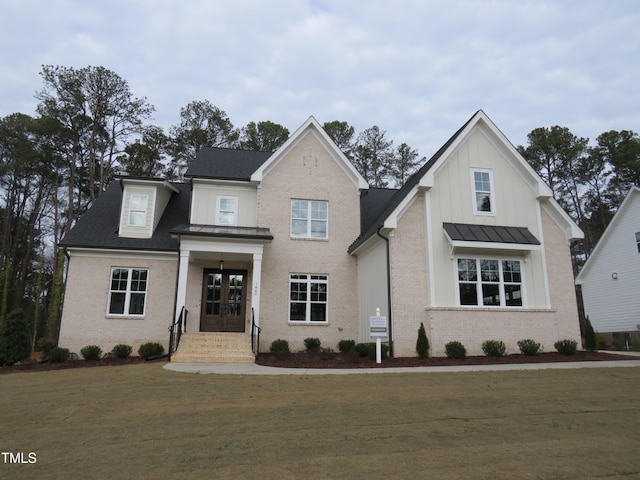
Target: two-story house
(473, 246)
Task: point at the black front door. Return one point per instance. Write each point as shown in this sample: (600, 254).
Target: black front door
(223, 301)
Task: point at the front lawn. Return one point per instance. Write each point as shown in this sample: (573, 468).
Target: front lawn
(142, 422)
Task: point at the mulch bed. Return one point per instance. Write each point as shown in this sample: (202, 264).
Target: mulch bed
(333, 360)
(37, 366)
(353, 360)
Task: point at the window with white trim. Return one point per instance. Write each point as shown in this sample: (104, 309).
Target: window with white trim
(483, 192)
(127, 291)
(489, 282)
(638, 241)
(309, 219)
(138, 210)
(308, 298)
(227, 211)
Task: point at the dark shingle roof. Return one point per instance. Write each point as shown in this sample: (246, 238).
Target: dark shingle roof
(489, 233)
(226, 163)
(372, 202)
(98, 227)
(397, 198)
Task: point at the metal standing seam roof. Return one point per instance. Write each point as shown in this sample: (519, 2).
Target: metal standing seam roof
(488, 233)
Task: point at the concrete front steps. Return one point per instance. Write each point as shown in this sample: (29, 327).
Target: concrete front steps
(214, 348)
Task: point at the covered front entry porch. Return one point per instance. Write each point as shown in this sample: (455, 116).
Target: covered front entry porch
(219, 284)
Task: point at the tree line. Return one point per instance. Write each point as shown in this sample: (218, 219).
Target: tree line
(89, 128)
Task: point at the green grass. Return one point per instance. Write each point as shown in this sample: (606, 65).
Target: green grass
(142, 422)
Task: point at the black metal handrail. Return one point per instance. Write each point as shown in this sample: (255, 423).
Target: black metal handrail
(255, 335)
(175, 331)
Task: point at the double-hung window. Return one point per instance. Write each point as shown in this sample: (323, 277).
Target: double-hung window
(227, 211)
(138, 210)
(483, 200)
(489, 282)
(128, 291)
(309, 219)
(308, 298)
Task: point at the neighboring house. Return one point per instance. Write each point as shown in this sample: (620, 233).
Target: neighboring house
(473, 246)
(610, 278)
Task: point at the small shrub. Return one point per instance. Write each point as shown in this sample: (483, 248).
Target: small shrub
(422, 344)
(312, 344)
(150, 349)
(121, 351)
(15, 344)
(529, 347)
(566, 347)
(590, 340)
(345, 346)
(279, 346)
(58, 355)
(45, 345)
(455, 350)
(601, 342)
(494, 348)
(369, 350)
(91, 352)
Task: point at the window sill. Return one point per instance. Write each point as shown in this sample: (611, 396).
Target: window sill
(124, 317)
(309, 239)
(309, 324)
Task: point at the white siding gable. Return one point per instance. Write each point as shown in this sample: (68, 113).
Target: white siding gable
(143, 203)
(611, 278)
(206, 199)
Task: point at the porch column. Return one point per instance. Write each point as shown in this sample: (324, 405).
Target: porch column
(257, 276)
(181, 295)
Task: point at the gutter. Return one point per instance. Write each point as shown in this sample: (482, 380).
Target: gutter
(386, 240)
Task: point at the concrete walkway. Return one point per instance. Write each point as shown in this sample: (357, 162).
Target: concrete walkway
(253, 369)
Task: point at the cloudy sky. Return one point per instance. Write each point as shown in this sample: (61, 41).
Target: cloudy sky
(417, 69)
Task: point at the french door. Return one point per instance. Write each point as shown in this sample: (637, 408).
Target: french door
(223, 301)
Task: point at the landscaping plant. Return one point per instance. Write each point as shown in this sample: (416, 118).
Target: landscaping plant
(566, 347)
(150, 349)
(455, 349)
(422, 344)
(590, 340)
(91, 352)
(15, 344)
(529, 347)
(279, 346)
(312, 344)
(494, 348)
(121, 351)
(345, 346)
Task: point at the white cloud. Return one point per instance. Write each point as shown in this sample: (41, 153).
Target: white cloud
(417, 69)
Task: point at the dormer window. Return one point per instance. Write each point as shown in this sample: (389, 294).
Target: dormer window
(138, 210)
(227, 211)
(483, 192)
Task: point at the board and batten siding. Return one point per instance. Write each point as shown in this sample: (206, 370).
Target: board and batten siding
(451, 200)
(133, 231)
(613, 305)
(372, 285)
(205, 201)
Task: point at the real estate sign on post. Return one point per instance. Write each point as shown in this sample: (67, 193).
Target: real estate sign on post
(378, 327)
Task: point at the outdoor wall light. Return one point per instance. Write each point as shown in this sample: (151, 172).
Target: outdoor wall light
(614, 275)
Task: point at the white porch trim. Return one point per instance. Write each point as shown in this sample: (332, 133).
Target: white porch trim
(191, 247)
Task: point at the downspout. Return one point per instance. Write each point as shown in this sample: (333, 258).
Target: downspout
(175, 295)
(386, 240)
